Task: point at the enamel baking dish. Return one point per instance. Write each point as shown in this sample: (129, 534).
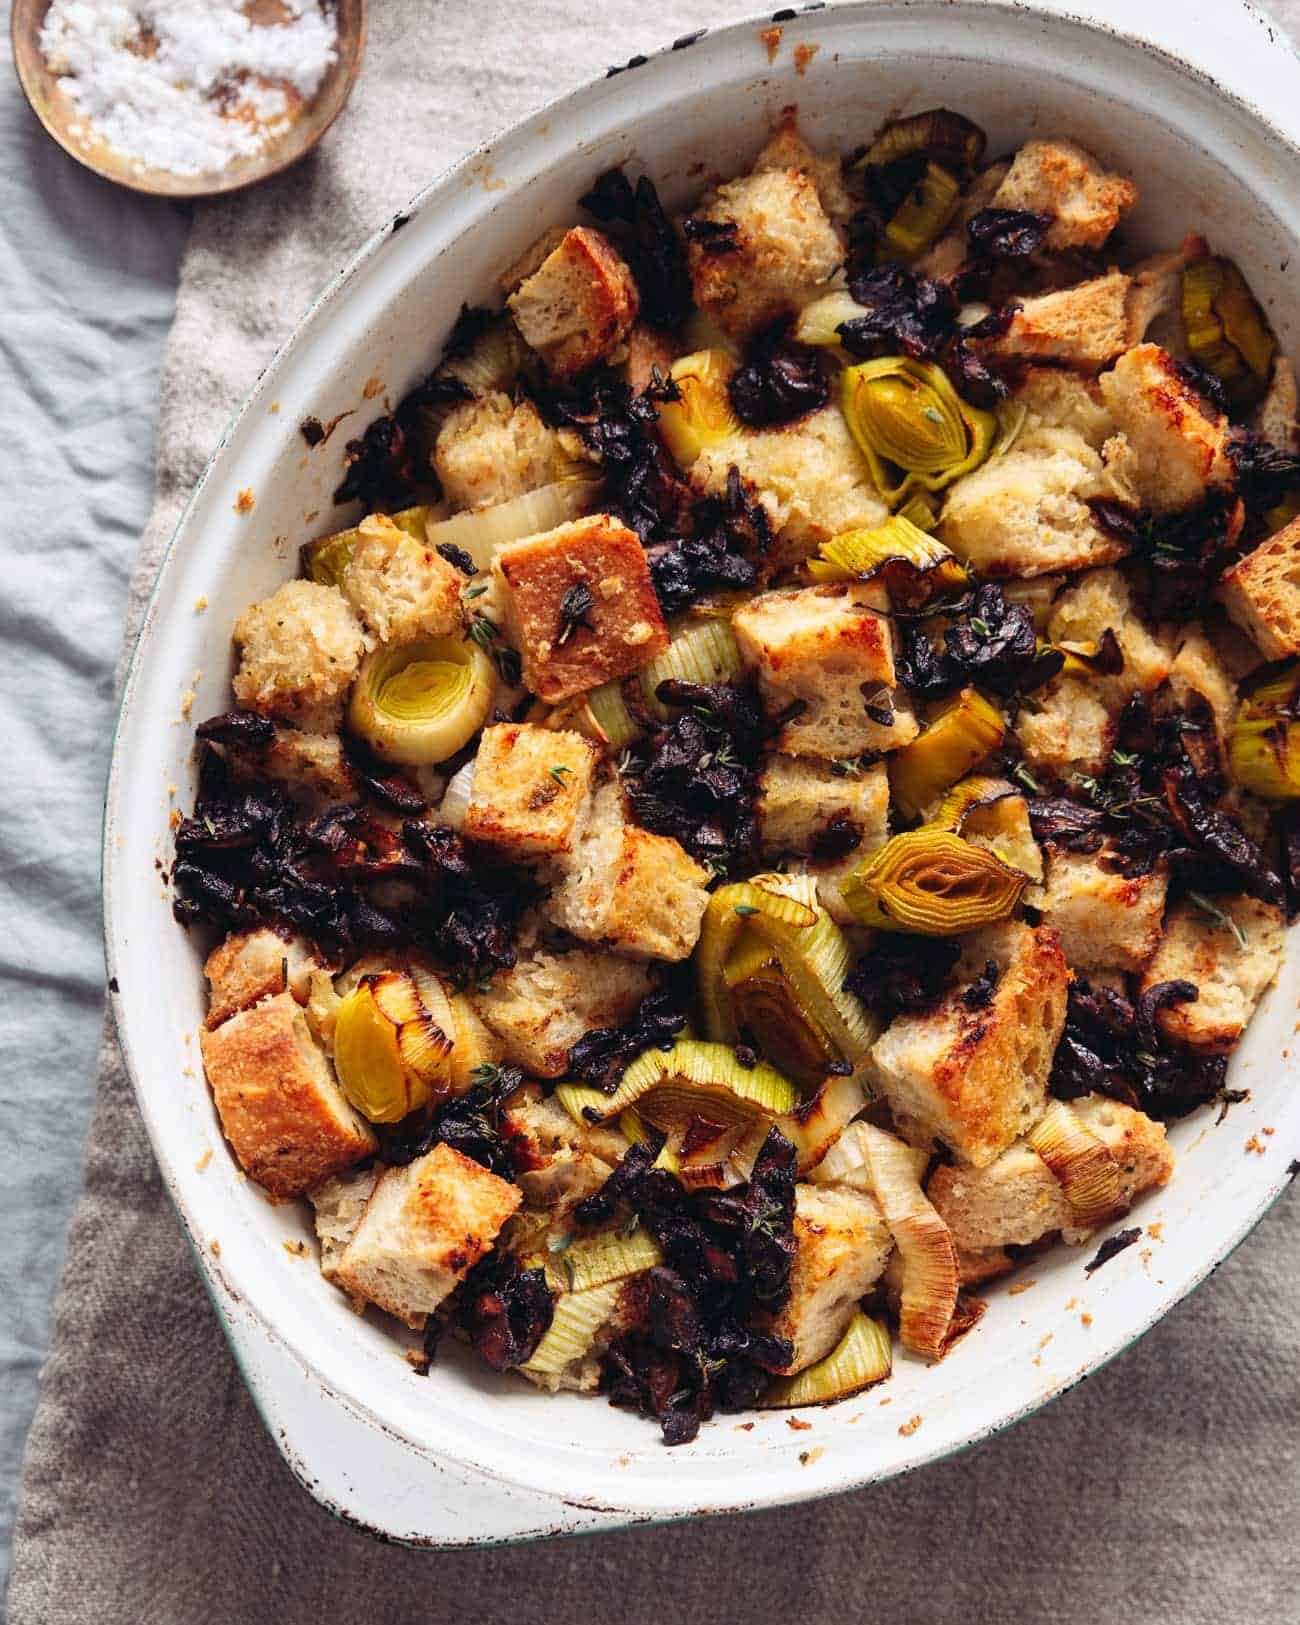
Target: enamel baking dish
(460, 1457)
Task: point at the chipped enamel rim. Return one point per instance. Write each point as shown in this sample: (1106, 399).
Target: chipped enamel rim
(457, 1458)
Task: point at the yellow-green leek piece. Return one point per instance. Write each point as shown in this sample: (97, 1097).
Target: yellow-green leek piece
(393, 1043)
(912, 426)
(702, 417)
(701, 651)
(932, 882)
(1264, 745)
(863, 1356)
(418, 703)
(960, 734)
(915, 565)
(1227, 332)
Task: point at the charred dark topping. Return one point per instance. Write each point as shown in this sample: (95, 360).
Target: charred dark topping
(979, 995)
(780, 381)
(382, 781)
(601, 1057)
(1067, 824)
(713, 236)
(1265, 473)
(577, 603)
(649, 242)
(1175, 561)
(1288, 829)
(990, 641)
(729, 534)
(388, 467)
(903, 974)
(469, 911)
(505, 1310)
(241, 728)
(458, 558)
(469, 1123)
(1007, 233)
(312, 430)
(840, 837)
(1110, 1247)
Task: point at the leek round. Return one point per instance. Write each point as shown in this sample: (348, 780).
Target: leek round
(912, 426)
(863, 1356)
(393, 1041)
(932, 882)
(419, 703)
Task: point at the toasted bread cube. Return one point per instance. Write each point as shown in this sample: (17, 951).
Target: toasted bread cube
(492, 448)
(1055, 398)
(1067, 730)
(542, 1134)
(1017, 1199)
(400, 587)
(977, 1078)
(1027, 513)
(1230, 974)
(530, 790)
(624, 627)
(1101, 602)
(1103, 918)
(639, 892)
(578, 304)
(1180, 440)
(826, 651)
(809, 477)
(841, 1248)
(313, 768)
(798, 796)
(1003, 828)
(1061, 179)
(424, 1228)
(985, 1264)
(278, 1099)
(1262, 593)
(299, 651)
(787, 149)
(1085, 326)
(1202, 685)
(544, 1003)
(338, 1204)
(1276, 415)
(250, 966)
(785, 247)
(649, 348)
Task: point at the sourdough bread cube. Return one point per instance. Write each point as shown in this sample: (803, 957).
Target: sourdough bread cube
(1262, 593)
(1179, 439)
(785, 247)
(578, 305)
(530, 789)
(400, 587)
(841, 1248)
(624, 626)
(1061, 179)
(299, 651)
(338, 1205)
(492, 448)
(542, 1135)
(786, 149)
(1017, 1200)
(1231, 974)
(640, 893)
(1104, 919)
(424, 1228)
(1276, 415)
(279, 1102)
(250, 966)
(1085, 326)
(825, 654)
(977, 1078)
(1201, 683)
(1055, 398)
(798, 796)
(313, 768)
(544, 1003)
(1066, 729)
(1003, 828)
(1101, 602)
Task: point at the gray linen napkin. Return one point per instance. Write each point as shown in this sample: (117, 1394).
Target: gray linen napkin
(1165, 1488)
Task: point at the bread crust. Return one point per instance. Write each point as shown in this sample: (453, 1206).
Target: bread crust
(1262, 593)
(579, 303)
(530, 790)
(841, 1247)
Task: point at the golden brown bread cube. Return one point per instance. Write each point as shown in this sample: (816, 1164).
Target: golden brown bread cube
(299, 651)
(784, 247)
(977, 1078)
(492, 448)
(1068, 730)
(578, 304)
(1084, 326)
(1203, 686)
(624, 628)
(338, 1204)
(1061, 179)
(400, 587)
(787, 149)
(823, 655)
(1276, 415)
(278, 1099)
(1231, 965)
(541, 1133)
(424, 1228)
(530, 789)
(313, 768)
(1262, 593)
(250, 966)
(798, 796)
(1103, 918)
(1098, 602)
(1179, 439)
(841, 1247)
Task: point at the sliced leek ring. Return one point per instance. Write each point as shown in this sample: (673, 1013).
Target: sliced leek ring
(576, 1322)
(719, 1156)
(634, 1130)
(476, 1045)
(1083, 1163)
(925, 1244)
(1227, 332)
(817, 1125)
(700, 651)
(418, 703)
(1264, 743)
(819, 323)
(598, 1260)
(961, 733)
(915, 565)
(932, 882)
(584, 1105)
(393, 1042)
(455, 798)
(696, 1079)
(481, 531)
(923, 214)
(937, 132)
(912, 426)
(847, 1161)
(703, 417)
(863, 1356)
(607, 718)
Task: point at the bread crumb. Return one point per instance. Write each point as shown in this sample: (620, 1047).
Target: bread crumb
(215, 1247)
(798, 1426)
(1262, 1131)
(200, 604)
(297, 1247)
(771, 37)
(909, 1428)
(203, 1161)
(188, 1072)
(187, 703)
(1019, 1287)
(1157, 1230)
(744, 1427)
(1255, 1144)
(1086, 1319)
(803, 55)
(275, 406)
(371, 388)
(807, 1457)
(1046, 1339)
(174, 818)
(244, 501)
(1073, 1303)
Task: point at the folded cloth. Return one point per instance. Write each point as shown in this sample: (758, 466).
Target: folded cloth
(1165, 1488)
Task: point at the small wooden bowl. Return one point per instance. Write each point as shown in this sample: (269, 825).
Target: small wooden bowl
(56, 110)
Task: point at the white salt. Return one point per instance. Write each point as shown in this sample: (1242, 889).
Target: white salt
(186, 85)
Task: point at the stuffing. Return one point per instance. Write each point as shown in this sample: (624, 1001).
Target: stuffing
(582, 1374)
(338, 1204)
(542, 1135)
(1200, 682)
(952, 250)
(787, 149)
(530, 789)
(1275, 418)
(1017, 1200)
(841, 1248)
(1057, 399)
(1085, 326)
(798, 796)
(1066, 729)
(400, 587)
(578, 305)
(649, 348)
(809, 476)
(279, 1102)
(544, 1003)
(1262, 593)
(785, 247)
(312, 767)
(1002, 827)
(1103, 918)
(1231, 971)
(1179, 440)
(827, 652)
(1061, 179)
(252, 965)
(424, 1227)
(976, 1078)
(1101, 602)
(491, 449)
(620, 631)
(299, 651)
(640, 893)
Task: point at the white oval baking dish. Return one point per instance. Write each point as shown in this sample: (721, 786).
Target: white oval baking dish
(459, 1457)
